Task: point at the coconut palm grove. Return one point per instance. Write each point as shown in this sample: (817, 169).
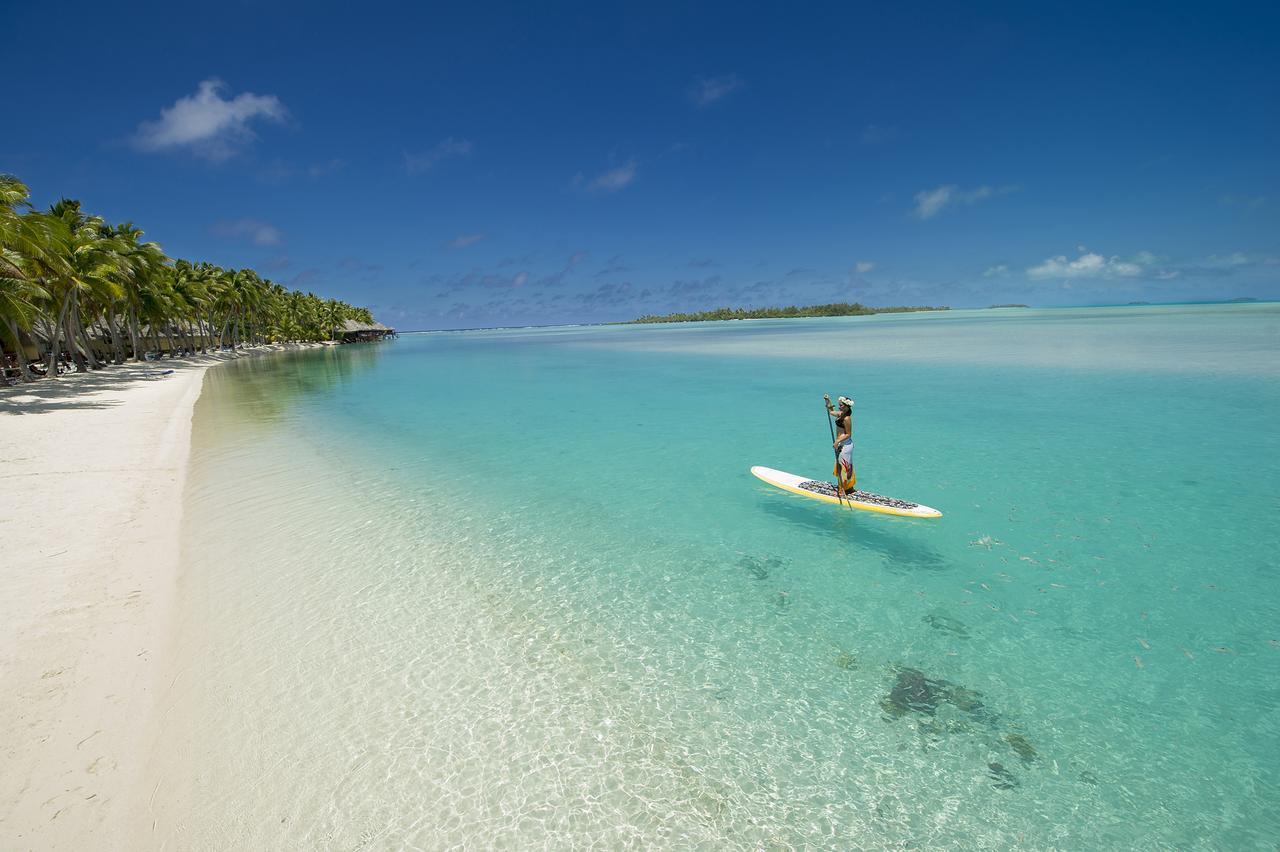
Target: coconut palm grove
(78, 293)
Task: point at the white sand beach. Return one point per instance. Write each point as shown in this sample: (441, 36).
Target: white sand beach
(92, 473)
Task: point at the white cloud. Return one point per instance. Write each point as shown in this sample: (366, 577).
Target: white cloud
(208, 124)
(256, 232)
(1093, 265)
(427, 160)
(1149, 266)
(930, 202)
(610, 181)
(864, 266)
(708, 90)
(1000, 270)
(463, 240)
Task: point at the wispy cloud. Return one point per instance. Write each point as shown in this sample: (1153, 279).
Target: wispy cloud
(476, 279)
(1000, 270)
(319, 170)
(874, 134)
(207, 124)
(1248, 202)
(607, 296)
(862, 267)
(607, 182)
(280, 171)
(463, 240)
(707, 90)
(257, 232)
(614, 266)
(354, 267)
(1222, 265)
(445, 149)
(306, 278)
(930, 202)
(479, 279)
(557, 278)
(1234, 260)
(522, 260)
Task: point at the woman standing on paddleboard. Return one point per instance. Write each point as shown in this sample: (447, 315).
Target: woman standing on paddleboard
(843, 470)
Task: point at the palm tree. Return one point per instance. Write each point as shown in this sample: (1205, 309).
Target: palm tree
(20, 296)
(89, 274)
(75, 278)
(141, 262)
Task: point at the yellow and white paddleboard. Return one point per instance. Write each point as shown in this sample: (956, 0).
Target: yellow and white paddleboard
(826, 492)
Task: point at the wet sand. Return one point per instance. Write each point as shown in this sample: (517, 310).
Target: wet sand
(92, 468)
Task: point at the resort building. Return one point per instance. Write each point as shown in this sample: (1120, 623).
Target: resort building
(358, 332)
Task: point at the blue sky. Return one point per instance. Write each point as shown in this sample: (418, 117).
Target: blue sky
(541, 163)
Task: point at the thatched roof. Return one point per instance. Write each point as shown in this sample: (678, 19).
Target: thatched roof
(351, 326)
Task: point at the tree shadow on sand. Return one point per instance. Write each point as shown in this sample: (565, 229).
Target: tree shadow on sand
(81, 390)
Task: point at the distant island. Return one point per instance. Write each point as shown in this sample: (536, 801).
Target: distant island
(1010, 305)
(836, 309)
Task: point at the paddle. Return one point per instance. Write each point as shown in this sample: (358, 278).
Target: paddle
(826, 406)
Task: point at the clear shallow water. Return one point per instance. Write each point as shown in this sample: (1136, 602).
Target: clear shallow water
(517, 588)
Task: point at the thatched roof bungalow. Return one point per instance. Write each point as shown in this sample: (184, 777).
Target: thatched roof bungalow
(352, 331)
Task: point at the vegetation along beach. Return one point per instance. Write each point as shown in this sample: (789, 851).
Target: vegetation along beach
(382, 469)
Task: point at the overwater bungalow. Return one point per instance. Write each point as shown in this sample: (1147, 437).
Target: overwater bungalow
(352, 331)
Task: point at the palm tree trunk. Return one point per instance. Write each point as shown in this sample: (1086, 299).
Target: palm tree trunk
(73, 349)
(117, 346)
(133, 334)
(53, 337)
(73, 341)
(86, 343)
(24, 369)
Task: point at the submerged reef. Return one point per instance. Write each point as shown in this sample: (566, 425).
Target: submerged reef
(1003, 779)
(847, 661)
(913, 691)
(760, 567)
(1026, 753)
(947, 624)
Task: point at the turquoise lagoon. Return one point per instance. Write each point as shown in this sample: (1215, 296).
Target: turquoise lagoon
(516, 588)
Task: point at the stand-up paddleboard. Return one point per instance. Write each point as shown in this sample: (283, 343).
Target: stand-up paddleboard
(826, 492)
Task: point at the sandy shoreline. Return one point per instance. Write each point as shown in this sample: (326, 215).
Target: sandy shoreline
(92, 475)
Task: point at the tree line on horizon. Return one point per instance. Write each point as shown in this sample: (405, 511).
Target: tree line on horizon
(835, 309)
(70, 278)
